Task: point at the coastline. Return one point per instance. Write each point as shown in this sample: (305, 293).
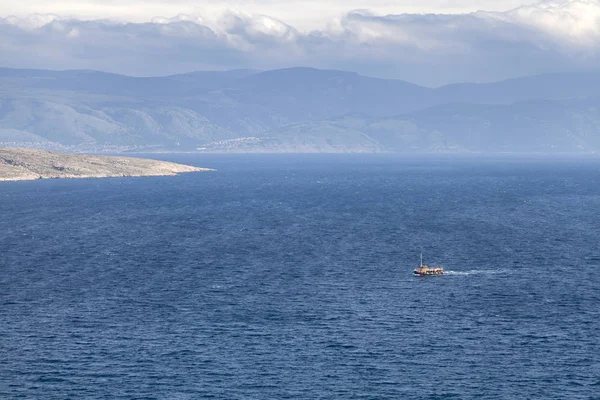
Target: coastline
(26, 165)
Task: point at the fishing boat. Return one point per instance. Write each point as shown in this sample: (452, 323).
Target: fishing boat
(424, 270)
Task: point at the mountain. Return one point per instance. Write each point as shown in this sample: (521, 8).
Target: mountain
(294, 110)
(540, 126)
(546, 86)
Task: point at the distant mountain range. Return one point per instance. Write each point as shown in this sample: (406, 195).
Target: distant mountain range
(296, 110)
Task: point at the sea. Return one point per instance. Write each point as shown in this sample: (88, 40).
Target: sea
(291, 277)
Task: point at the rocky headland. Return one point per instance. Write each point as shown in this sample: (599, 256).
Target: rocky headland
(25, 164)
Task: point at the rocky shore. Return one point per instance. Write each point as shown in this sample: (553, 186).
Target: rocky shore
(24, 164)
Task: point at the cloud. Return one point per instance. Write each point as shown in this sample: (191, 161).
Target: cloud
(576, 22)
(425, 48)
(304, 14)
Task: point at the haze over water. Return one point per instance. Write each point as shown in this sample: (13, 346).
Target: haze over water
(291, 277)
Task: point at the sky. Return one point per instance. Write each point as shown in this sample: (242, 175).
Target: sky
(430, 42)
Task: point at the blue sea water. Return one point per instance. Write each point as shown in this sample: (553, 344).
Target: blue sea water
(282, 277)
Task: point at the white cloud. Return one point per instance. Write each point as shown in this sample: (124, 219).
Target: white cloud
(426, 48)
(33, 21)
(304, 14)
(577, 21)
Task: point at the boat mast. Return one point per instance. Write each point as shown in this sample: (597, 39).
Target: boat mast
(421, 259)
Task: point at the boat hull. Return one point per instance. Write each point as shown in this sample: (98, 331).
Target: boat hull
(416, 273)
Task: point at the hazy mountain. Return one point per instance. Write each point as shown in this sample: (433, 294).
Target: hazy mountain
(295, 110)
(96, 82)
(531, 126)
(547, 86)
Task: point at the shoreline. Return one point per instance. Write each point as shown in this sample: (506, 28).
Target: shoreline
(29, 165)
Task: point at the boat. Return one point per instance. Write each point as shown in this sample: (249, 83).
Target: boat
(424, 270)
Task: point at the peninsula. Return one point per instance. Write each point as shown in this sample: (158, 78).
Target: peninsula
(25, 164)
